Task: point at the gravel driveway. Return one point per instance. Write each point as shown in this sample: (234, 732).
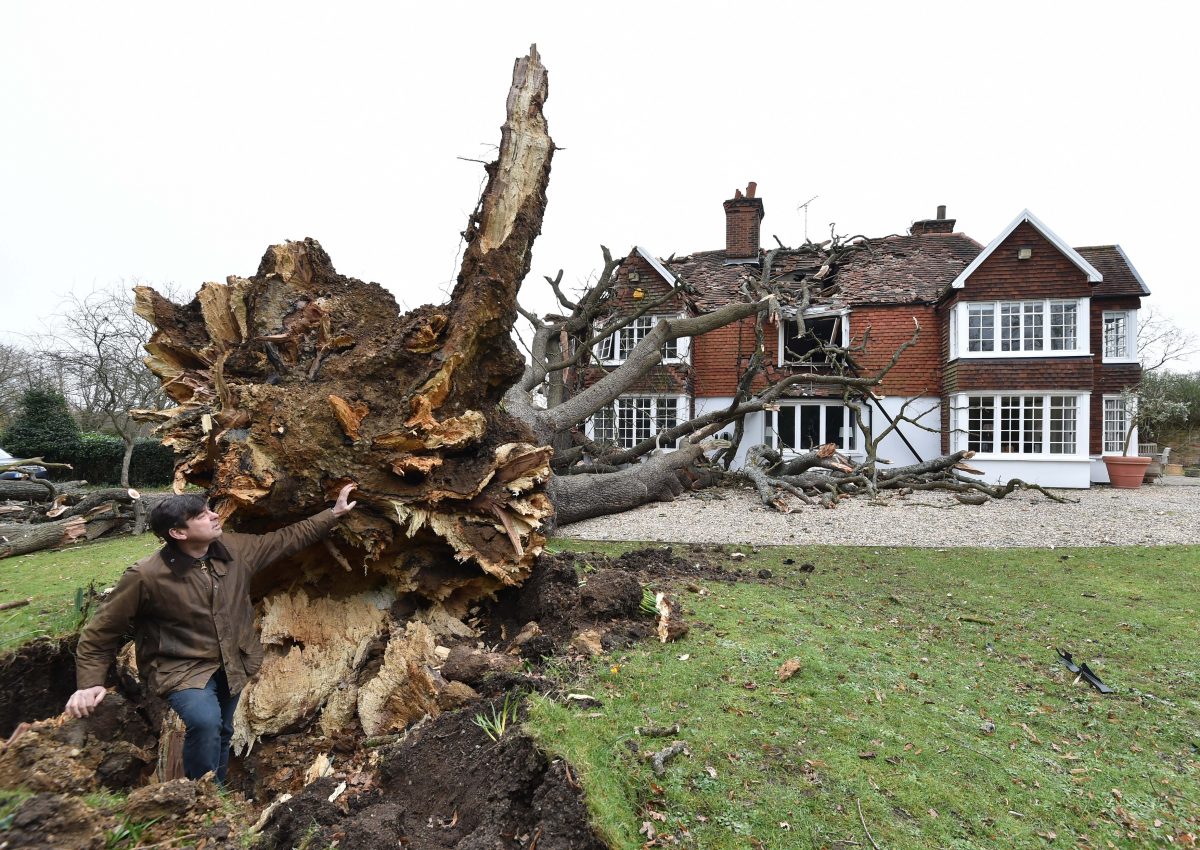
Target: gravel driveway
(1155, 515)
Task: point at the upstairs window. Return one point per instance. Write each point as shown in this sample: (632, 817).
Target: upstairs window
(808, 345)
(618, 345)
(1018, 328)
(1120, 336)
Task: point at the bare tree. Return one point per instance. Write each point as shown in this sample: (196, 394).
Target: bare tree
(1161, 341)
(98, 343)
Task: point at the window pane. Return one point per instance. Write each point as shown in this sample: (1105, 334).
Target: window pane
(1032, 332)
(1115, 423)
(1031, 425)
(602, 425)
(1010, 424)
(787, 426)
(810, 426)
(981, 331)
(981, 416)
(641, 419)
(1062, 425)
(665, 416)
(1116, 338)
(632, 334)
(1010, 327)
(1063, 333)
(835, 430)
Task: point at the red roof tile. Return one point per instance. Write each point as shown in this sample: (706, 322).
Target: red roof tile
(1120, 277)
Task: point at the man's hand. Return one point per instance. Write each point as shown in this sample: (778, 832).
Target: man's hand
(341, 507)
(84, 701)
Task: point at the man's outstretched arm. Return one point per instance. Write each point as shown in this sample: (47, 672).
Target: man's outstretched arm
(270, 547)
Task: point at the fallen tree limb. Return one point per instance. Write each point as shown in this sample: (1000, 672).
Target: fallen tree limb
(659, 760)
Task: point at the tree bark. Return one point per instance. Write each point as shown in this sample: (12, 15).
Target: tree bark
(31, 538)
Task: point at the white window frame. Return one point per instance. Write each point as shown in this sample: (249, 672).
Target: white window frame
(817, 313)
(1117, 446)
(960, 338)
(1130, 318)
(626, 405)
(609, 351)
(771, 425)
(959, 424)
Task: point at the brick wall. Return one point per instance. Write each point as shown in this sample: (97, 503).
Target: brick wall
(719, 356)
(919, 369)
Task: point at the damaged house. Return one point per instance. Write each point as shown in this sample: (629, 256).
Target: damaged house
(1024, 349)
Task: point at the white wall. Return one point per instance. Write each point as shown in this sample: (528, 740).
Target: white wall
(927, 411)
(1073, 474)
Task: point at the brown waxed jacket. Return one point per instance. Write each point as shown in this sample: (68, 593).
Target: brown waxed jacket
(187, 620)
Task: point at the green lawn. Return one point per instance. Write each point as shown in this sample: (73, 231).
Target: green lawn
(889, 707)
(51, 578)
(889, 710)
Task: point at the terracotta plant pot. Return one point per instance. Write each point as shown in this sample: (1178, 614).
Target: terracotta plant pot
(1126, 470)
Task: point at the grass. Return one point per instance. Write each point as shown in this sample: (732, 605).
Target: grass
(890, 710)
(51, 579)
(898, 682)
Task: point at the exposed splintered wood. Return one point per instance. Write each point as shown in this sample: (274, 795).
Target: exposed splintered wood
(296, 380)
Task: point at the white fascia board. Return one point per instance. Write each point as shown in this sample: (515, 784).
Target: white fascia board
(1066, 250)
(1136, 275)
(656, 265)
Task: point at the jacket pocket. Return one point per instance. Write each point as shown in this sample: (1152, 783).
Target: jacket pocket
(252, 653)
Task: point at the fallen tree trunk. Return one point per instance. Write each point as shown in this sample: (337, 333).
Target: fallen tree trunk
(31, 538)
(290, 383)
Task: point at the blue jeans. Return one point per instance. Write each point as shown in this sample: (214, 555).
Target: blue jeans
(208, 715)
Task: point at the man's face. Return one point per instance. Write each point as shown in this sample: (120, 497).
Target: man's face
(201, 529)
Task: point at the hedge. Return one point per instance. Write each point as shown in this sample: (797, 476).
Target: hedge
(98, 460)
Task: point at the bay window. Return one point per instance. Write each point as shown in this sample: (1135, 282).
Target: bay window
(1018, 328)
(1031, 424)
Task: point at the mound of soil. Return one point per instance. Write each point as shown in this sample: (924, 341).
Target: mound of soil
(446, 785)
(36, 681)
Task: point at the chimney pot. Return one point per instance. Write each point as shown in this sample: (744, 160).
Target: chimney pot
(751, 188)
(941, 212)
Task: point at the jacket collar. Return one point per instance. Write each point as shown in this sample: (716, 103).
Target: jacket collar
(180, 562)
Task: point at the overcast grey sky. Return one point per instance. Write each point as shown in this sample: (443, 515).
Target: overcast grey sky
(174, 142)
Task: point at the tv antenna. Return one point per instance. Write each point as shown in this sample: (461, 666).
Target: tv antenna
(804, 206)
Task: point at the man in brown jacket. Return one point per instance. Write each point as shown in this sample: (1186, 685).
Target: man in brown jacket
(188, 606)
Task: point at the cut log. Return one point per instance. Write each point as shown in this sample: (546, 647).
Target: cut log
(43, 536)
(292, 382)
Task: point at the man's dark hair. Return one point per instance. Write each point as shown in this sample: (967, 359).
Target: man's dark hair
(174, 512)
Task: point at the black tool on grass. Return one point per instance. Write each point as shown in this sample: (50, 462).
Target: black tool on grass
(1085, 672)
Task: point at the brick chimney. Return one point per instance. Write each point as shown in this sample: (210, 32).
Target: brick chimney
(941, 224)
(743, 214)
